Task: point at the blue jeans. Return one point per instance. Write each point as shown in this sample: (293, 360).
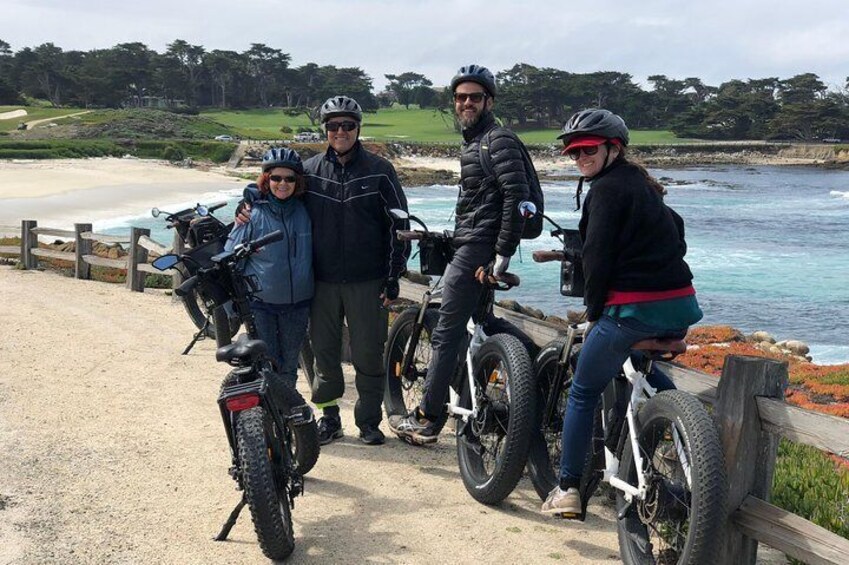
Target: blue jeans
(605, 349)
(284, 333)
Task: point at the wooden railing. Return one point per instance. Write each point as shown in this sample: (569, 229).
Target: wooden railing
(747, 404)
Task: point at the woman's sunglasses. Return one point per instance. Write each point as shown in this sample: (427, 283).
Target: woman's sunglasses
(280, 178)
(575, 153)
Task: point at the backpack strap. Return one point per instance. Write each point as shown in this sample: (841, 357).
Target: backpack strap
(485, 158)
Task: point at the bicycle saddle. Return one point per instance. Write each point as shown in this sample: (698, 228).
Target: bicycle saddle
(657, 348)
(243, 350)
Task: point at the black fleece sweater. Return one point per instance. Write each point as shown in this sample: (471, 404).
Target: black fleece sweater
(632, 240)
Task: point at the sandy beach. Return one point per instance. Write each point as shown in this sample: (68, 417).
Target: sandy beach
(61, 192)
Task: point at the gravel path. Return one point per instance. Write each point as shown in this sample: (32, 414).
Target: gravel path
(113, 453)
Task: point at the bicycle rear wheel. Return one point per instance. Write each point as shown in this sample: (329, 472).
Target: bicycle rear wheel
(492, 448)
(405, 388)
(266, 490)
(681, 517)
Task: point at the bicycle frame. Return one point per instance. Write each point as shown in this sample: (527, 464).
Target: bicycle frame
(640, 391)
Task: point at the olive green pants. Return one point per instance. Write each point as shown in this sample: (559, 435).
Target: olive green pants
(359, 304)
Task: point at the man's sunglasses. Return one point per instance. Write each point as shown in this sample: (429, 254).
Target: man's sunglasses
(346, 126)
(475, 97)
(280, 178)
(575, 153)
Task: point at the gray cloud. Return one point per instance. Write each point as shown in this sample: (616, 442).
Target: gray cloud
(715, 40)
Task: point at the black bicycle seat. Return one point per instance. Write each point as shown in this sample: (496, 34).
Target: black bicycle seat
(243, 350)
(661, 348)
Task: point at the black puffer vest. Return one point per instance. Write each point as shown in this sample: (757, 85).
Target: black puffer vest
(488, 207)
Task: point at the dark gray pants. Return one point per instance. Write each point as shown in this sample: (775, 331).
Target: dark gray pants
(361, 306)
(459, 297)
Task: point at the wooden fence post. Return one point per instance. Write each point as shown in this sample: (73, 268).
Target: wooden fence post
(29, 241)
(137, 254)
(82, 270)
(750, 452)
(177, 248)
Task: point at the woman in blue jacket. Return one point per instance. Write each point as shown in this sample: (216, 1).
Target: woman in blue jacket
(283, 269)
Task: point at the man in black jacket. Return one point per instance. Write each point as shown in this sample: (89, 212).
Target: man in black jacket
(357, 262)
(487, 230)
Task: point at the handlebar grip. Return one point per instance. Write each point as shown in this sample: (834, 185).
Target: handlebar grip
(544, 256)
(188, 285)
(266, 239)
(409, 235)
(216, 206)
(509, 279)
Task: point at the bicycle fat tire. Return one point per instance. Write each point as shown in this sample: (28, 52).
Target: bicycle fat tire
(503, 366)
(401, 394)
(703, 502)
(305, 446)
(269, 505)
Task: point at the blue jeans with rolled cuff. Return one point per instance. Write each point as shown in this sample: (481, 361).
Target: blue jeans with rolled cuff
(602, 355)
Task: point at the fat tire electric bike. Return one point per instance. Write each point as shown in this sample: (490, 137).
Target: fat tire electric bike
(492, 396)
(272, 433)
(659, 451)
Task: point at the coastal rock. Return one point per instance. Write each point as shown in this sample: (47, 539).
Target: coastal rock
(417, 277)
(557, 320)
(762, 336)
(533, 312)
(511, 305)
(797, 347)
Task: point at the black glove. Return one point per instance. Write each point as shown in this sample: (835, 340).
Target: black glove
(391, 288)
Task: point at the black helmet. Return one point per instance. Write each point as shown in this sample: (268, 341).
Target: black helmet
(341, 106)
(282, 157)
(475, 73)
(595, 121)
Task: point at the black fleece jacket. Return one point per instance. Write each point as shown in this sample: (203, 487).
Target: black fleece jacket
(488, 207)
(353, 234)
(632, 240)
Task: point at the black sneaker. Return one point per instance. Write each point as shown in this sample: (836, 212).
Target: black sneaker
(414, 428)
(371, 435)
(329, 429)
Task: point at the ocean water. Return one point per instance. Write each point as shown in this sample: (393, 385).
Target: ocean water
(768, 246)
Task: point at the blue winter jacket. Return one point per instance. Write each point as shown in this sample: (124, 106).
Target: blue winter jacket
(284, 268)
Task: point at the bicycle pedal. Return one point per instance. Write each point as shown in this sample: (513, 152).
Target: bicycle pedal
(571, 516)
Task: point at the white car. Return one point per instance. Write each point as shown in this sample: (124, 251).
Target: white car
(223, 138)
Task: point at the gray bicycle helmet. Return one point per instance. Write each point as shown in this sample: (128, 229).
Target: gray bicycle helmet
(341, 106)
(595, 121)
(282, 157)
(475, 73)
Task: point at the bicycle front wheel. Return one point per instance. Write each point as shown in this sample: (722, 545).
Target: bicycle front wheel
(492, 447)
(680, 519)
(266, 491)
(405, 385)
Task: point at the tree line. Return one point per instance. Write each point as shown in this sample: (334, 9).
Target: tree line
(188, 76)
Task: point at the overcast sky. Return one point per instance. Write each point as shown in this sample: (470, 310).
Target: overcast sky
(715, 40)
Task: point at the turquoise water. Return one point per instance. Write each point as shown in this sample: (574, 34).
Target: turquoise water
(769, 248)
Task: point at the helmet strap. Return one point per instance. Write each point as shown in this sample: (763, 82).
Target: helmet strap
(578, 194)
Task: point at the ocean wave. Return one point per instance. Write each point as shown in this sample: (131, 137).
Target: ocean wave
(839, 193)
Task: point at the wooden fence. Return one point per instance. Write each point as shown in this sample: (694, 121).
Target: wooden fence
(747, 403)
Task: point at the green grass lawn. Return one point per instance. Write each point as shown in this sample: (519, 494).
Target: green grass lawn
(394, 124)
(33, 113)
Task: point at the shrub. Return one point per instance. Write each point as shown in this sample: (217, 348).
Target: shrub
(285, 129)
(173, 153)
(808, 483)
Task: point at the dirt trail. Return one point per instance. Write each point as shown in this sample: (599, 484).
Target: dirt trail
(113, 453)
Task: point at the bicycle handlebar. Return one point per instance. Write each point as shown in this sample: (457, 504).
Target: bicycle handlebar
(544, 256)
(410, 235)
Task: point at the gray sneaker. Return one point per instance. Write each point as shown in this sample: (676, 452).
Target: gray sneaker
(566, 502)
(414, 428)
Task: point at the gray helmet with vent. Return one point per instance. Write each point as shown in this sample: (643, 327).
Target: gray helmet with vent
(595, 121)
(341, 106)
